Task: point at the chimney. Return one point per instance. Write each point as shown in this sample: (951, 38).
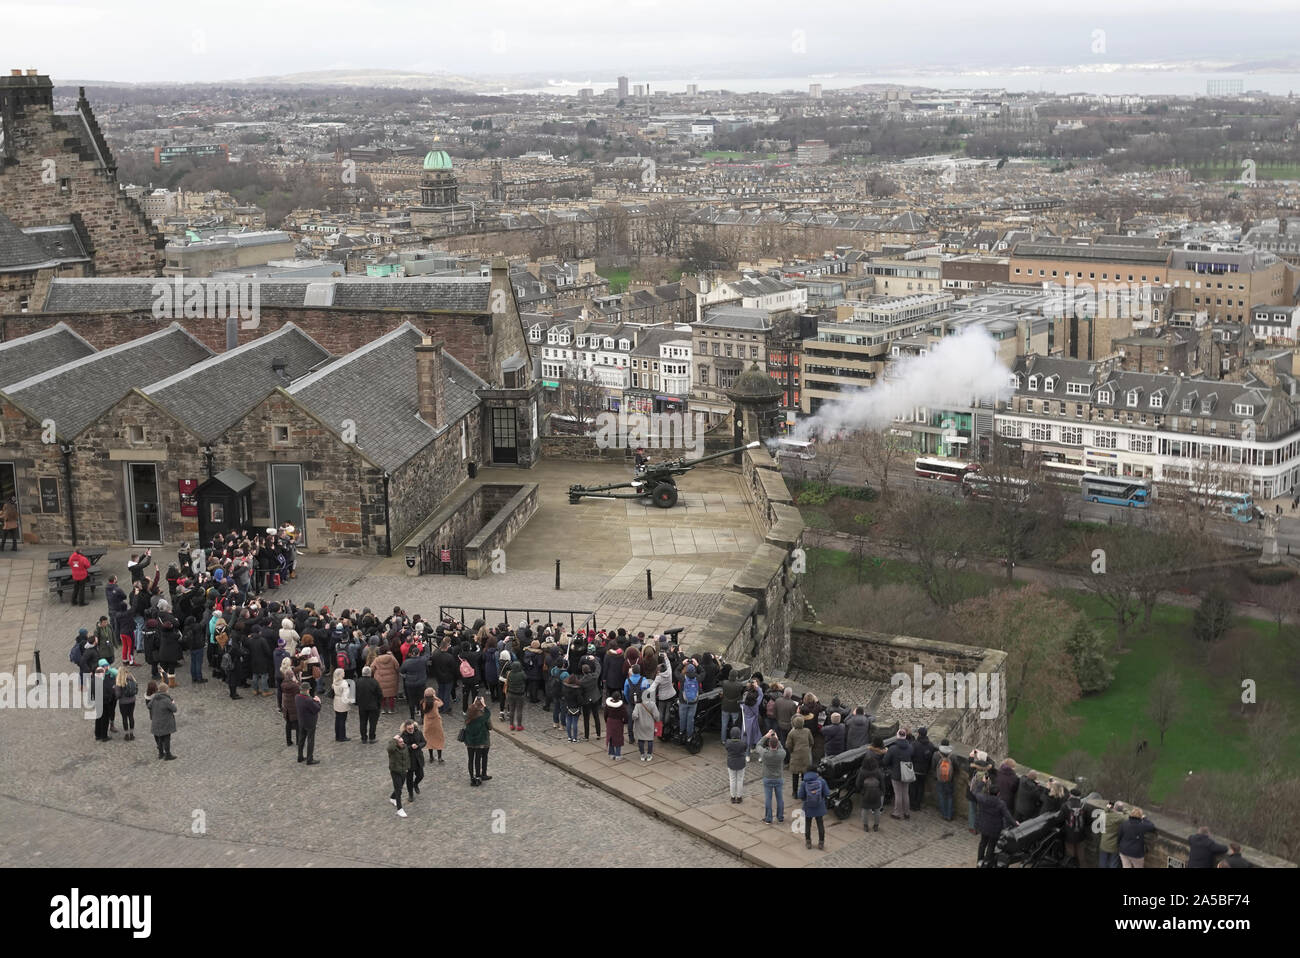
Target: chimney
(36, 73)
(15, 73)
(429, 382)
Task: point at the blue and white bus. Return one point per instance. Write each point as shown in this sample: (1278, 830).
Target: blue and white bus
(1116, 490)
(1235, 505)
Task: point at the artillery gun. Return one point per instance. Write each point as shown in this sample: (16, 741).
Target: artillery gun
(656, 482)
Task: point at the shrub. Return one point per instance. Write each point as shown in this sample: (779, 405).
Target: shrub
(1212, 617)
(1092, 670)
(1269, 575)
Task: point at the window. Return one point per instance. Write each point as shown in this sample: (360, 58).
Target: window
(135, 434)
(1071, 436)
(1105, 396)
(1033, 383)
(1157, 401)
(1012, 430)
(1050, 383)
(1015, 382)
(728, 349)
(23, 303)
(1029, 405)
(1040, 432)
(1139, 443)
(753, 352)
(1077, 389)
(65, 186)
(1243, 409)
(279, 435)
(704, 375)
(1078, 410)
(1105, 439)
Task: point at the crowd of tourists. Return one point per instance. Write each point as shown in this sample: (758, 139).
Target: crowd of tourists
(218, 605)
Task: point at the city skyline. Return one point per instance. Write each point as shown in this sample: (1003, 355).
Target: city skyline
(498, 41)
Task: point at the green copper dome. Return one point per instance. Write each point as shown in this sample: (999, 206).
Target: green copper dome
(437, 160)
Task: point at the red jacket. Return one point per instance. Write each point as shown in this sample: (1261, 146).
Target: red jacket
(79, 565)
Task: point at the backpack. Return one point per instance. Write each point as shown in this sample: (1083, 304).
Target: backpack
(690, 689)
(944, 772)
(75, 655)
(813, 791)
(1074, 821)
(343, 658)
(515, 682)
(227, 661)
(466, 670)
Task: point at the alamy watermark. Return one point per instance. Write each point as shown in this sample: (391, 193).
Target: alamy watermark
(947, 690)
(655, 430)
(209, 299)
(1087, 299)
(52, 690)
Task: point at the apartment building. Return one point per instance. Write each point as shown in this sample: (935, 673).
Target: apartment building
(1163, 427)
(899, 277)
(727, 341)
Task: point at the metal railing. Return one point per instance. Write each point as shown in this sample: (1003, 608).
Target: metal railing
(577, 619)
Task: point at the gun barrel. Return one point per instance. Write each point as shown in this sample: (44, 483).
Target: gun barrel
(718, 455)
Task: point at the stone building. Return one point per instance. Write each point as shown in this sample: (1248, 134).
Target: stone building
(355, 451)
(31, 258)
(56, 171)
(440, 210)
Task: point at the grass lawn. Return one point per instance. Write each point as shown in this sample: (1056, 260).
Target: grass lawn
(1210, 730)
(617, 278)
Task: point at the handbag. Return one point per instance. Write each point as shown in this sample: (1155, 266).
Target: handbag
(659, 729)
(466, 670)
(460, 736)
(906, 772)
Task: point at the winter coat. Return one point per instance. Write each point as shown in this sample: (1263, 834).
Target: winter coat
(898, 753)
(750, 713)
(478, 732)
(590, 688)
(308, 710)
(991, 815)
(289, 698)
(1204, 850)
(260, 656)
(414, 671)
(341, 701)
(615, 716)
(813, 807)
(772, 760)
(1132, 836)
(614, 669)
(79, 565)
(162, 713)
(799, 744)
(126, 693)
(644, 717)
(922, 751)
(731, 692)
(399, 756)
(385, 671)
(1029, 799)
(737, 750)
(835, 735)
(415, 737)
(369, 694)
(433, 731)
(1110, 837)
(1008, 782)
(857, 731)
(870, 782)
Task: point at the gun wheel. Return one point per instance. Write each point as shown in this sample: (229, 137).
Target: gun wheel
(665, 495)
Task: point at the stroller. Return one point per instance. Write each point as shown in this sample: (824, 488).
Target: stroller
(708, 718)
(841, 774)
(1037, 843)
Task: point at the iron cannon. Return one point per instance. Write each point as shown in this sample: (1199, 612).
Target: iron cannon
(655, 481)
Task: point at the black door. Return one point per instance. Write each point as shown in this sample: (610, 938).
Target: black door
(503, 435)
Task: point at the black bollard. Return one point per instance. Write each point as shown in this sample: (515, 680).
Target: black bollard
(649, 589)
(36, 658)
(557, 575)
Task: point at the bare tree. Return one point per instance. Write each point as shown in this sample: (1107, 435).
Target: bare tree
(1165, 704)
(882, 453)
(1025, 623)
(937, 536)
(1126, 769)
(830, 456)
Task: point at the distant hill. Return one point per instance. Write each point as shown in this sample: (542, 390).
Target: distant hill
(396, 79)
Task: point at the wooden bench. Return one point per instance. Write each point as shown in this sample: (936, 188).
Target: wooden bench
(61, 579)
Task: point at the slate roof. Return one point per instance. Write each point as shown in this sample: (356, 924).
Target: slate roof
(18, 251)
(60, 243)
(213, 395)
(27, 356)
(376, 387)
(1100, 254)
(426, 294)
(77, 393)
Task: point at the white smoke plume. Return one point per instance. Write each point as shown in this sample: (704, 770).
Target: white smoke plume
(959, 368)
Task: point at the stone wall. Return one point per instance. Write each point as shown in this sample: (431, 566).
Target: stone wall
(879, 658)
(57, 178)
(507, 519)
(752, 625)
(451, 527)
(423, 483)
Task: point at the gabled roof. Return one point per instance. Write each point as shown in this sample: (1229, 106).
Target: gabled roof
(376, 387)
(77, 393)
(211, 396)
(18, 251)
(27, 356)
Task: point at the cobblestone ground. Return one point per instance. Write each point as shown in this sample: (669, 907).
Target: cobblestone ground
(237, 796)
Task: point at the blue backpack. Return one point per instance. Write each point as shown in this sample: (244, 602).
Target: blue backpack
(690, 689)
(812, 791)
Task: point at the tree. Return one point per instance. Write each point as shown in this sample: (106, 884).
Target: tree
(1164, 703)
(1213, 616)
(1281, 600)
(937, 536)
(1024, 623)
(881, 453)
(1007, 501)
(830, 456)
(1092, 670)
(1126, 769)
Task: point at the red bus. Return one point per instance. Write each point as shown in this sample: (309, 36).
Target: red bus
(952, 470)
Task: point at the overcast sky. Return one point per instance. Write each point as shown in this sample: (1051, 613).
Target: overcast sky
(147, 40)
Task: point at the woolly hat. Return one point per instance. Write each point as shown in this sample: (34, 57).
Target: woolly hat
(82, 633)
(102, 663)
(365, 671)
(279, 643)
